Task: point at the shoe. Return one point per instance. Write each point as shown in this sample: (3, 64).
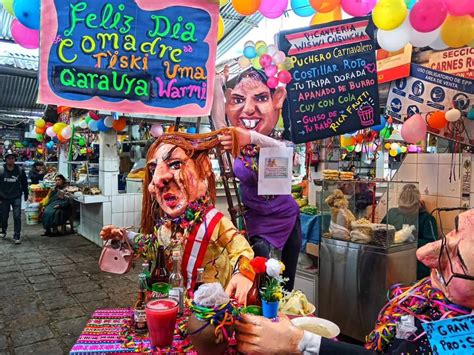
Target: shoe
(17, 241)
(3, 235)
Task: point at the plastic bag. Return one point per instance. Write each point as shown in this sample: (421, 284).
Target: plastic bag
(211, 295)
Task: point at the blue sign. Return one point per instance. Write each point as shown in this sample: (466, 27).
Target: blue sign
(396, 105)
(418, 88)
(412, 110)
(452, 336)
(401, 83)
(437, 94)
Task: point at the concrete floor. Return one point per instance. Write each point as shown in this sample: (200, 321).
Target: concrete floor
(49, 286)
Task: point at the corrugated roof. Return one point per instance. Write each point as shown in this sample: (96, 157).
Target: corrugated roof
(5, 23)
(18, 92)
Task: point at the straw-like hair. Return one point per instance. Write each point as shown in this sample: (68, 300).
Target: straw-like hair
(409, 199)
(196, 147)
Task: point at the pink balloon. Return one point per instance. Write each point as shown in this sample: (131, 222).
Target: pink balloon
(24, 36)
(459, 7)
(414, 129)
(284, 76)
(271, 70)
(272, 82)
(265, 60)
(279, 57)
(50, 132)
(358, 7)
(273, 8)
(156, 130)
(428, 15)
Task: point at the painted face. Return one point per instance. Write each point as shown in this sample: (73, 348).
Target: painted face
(457, 257)
(251, 105)
(174, 181)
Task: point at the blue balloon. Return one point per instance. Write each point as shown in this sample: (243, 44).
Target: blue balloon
(191, 130)
(93, 126)
(250, 52)
(101, 126)
(380, 126)
(410, 3)
(28, 13)
(302, 8)
(55, 139)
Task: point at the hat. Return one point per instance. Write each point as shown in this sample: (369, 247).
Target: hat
(8, 153)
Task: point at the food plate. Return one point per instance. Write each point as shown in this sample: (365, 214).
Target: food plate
(296, 304)
(320, 326)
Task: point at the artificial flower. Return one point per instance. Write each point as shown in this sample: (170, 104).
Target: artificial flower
(258, 264)
(273, 267)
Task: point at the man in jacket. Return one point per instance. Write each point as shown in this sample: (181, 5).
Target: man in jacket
(13, 184)
(37, 172)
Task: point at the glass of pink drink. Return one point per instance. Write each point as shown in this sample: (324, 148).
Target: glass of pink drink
(161, 317)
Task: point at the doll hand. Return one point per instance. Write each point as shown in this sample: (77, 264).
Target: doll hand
(238, 287)
(111, 232)
(261, 335)
(243, 137)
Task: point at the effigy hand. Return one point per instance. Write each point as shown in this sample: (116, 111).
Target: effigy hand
(243, 138)
(238, 287)
(260, 335)
(112, 232)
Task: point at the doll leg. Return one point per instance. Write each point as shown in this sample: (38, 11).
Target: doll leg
(290, 254)
(260, 247)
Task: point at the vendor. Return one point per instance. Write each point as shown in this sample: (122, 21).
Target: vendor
(56, 207)
(411, 211)
(178, 212)
(447, 293)
(37, 172)
(271, 221)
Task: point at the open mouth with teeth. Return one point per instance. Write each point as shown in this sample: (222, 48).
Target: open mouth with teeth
(170, 200)
(250, 123)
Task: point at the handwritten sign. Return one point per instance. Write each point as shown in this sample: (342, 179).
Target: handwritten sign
(451, 336)
(143, 56)
(334, 88)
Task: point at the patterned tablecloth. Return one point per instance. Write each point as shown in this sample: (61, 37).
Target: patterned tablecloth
(108, 332)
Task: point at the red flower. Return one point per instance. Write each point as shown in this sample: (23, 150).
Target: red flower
(258, 264)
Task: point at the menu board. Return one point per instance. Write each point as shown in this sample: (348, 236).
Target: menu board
(334, 88)
(133, 56)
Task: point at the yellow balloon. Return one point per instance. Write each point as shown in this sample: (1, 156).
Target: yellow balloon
(256, 63)
(387, 146)
(403, 149)
(325, 17)
(223, 2)
(393, 153)
(40, 123)
(457, 31)
(220, 29)
(8, 5)
(389, 14)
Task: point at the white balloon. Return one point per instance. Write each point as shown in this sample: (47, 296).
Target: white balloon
(394, 146)
(396, 39)
(83, 124)
(108, 121)
(272, 49)
(453, 115)
(438, 44)
(423, 39)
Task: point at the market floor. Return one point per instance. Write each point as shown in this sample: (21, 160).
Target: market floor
(49, 286)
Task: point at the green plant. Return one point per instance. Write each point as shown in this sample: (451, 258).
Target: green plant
(272, 291)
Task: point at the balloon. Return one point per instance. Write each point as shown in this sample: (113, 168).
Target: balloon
(393, 153)
(453, 115)
(25, 37)
(272, 49)
(414, 129)
(347, 140)
(380, 126)
(220, 28)
(325, 17)
(437, 120)
(39, 130)
(302, 8)
(261, 47)
(423, 39)
(457, 31)
(156, 130)
(394, 146)
(93, 126)
(61, 139)
(438, 43)
(325, 6)
(83, 124)
(120, 124)
(40, 123)
(403, 149)
(428, 15)
(389, 14)
(271, 70)
(470, 114)
(244, 62)
(66, 132)
(284, 77)
(385, 133)
(81, 142)
(387, 146)
(249, 44)
(272, 82)
(93, 115)
(279, 57)
(410, 3)
(223, 2)
(28, 13)
(273, 8)
(396, 39)
(246, 7)
(350, 148)
(50, 132)
(57, 127)
(287, 64)
(459, 7)
(256, 63)
(265, 60)
(358, 7)
(108, 122)
(8, 5)
(250, 52)
(39, 137)
(358, 148)
(101, 126)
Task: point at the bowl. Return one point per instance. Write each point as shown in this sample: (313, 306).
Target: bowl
(331, 330)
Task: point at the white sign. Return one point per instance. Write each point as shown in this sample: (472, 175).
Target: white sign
(275, 171)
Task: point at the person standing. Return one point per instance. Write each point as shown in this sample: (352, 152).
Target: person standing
(37, 172)
(13, 184)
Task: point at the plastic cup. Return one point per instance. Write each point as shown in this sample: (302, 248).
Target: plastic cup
(160, 290)
(161, 317)
(255, 310)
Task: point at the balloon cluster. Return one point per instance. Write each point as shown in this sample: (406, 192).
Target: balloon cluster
(59, 131)
(25, 26)
(360, 141)
(395, 148)
(270, 59)
(97, 124)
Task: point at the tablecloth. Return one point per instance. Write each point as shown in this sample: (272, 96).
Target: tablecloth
(107, 332)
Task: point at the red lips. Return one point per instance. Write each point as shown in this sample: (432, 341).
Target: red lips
(170, 199)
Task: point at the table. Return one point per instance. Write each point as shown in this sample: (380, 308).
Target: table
(107, 330)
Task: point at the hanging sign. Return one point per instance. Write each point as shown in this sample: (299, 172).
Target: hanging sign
(143, 56)
(428, 90)
(393, 65)
(451, 336)
(334, 87)
(459, 61)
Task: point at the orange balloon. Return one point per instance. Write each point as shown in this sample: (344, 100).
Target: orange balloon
(390, 120)
(61, 138)
(246, 7)
(325, 17)
(119, 124)
(40, 130)
(325, 6)
(359, 138)
(437, 120)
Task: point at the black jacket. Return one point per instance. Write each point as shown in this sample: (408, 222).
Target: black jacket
(13, 183)
(35, 177)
